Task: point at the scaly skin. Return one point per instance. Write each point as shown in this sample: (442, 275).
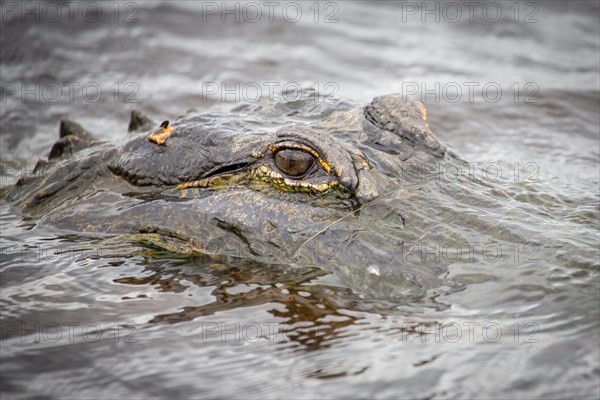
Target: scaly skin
(209, 182)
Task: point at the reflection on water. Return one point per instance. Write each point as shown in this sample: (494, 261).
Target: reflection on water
(91, 317)
(309, 311)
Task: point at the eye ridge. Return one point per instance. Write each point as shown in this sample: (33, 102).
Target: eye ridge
(295, 163)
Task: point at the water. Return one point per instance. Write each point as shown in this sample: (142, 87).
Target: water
(83, 317)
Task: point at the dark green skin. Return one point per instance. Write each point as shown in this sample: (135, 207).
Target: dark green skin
(380, 154)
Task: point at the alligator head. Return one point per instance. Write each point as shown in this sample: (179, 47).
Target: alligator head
(310, 181)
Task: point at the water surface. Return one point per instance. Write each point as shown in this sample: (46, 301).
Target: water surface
(87, 318)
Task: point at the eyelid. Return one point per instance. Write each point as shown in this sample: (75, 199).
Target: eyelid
(298, 146)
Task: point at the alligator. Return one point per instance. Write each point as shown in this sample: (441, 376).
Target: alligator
(363, 192)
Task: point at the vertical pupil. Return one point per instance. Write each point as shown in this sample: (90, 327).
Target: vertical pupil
(293, 162)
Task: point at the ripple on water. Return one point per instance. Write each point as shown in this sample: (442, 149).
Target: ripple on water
(156, 325)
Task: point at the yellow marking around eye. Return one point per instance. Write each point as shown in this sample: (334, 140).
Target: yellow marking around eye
(195, 184)
(161, 136)
(321, 187)
(324, 164)
(261, 173)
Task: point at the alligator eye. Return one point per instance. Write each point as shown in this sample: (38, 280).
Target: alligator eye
(294, 162)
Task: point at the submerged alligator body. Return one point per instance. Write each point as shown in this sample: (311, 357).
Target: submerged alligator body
(355, 190)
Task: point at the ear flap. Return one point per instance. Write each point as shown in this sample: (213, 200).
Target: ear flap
(404, 117)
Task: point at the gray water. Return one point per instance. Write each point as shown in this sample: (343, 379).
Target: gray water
(86, 318)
